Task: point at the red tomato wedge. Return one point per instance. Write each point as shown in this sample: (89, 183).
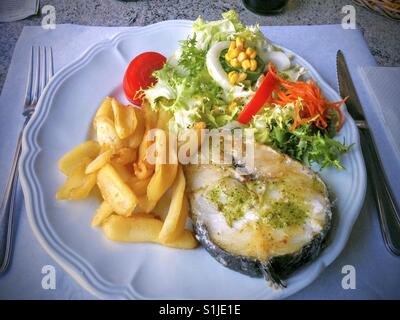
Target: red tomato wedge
(138, 75)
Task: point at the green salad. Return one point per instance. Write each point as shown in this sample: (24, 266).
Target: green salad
(217, 71)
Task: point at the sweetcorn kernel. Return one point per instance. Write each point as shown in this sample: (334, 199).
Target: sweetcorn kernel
(246, 64)
(242, 56)
(233, 77)
(242, 77)
(239, 42)
(253, 65)
(235, 63)
(251, 53)
(233, 53)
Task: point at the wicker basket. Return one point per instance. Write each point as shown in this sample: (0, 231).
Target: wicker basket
(388, 8)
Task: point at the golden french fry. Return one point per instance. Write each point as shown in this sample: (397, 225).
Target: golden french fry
(162, 207)
(115, 191)
(145, 204)
(78, 184)
(183, 215)
(161, 181)
(142, 171)
(123, 171)
(124, 118)
(67, 163)
(100, 161)
(163, 119)
(131, 171)
(105, 109)
(146, 144)
(143, 228)
(165, 169)
(132, 229)
(150, 116)
(139, 187)
(102, 213)
(124, 156)
(186, 240)
(106, 133)
(136, 138)
(171, 228)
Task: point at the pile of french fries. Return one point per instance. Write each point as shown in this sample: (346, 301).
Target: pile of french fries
(130, 186)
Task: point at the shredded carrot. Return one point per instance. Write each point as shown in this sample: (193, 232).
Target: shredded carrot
(310, 106)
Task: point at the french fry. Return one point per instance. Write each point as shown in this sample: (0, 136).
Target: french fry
(124, 156)
(78, 184)
(124, 119)
(139, 187)
(106, 133)
(150, 116)
(105, 109)
(171, 228)
(163, 119)
(186, 240)
(183, 216)
(145, 204)
(67, 163)
(165, 169)
(115, 191)
(146, 143)
(143, 228)
(100, 161)
(123, 171)
(102, 213)
(142, 168)
(131, 171)
(142, 171)
(136, 138)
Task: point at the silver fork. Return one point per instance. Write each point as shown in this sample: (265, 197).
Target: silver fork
(41, 69)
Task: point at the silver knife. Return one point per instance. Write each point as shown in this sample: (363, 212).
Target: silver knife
(387, 208)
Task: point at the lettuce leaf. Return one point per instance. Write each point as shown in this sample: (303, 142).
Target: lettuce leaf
(273, 126)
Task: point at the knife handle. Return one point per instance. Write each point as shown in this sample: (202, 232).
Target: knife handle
(388, 213)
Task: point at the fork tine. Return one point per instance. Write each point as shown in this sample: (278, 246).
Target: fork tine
(29, 80)
(36, 75)
(50, 71)
(43, 64)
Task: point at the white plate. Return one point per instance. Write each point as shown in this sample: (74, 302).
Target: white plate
(146, 271)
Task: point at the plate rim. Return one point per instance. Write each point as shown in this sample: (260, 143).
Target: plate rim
(86, 276)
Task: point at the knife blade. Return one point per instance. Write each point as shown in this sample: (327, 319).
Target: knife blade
(346, 88)
(389, 216)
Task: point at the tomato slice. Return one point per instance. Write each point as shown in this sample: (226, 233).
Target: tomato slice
(138, 75)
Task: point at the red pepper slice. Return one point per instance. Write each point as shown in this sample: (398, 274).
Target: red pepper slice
(260, 98)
